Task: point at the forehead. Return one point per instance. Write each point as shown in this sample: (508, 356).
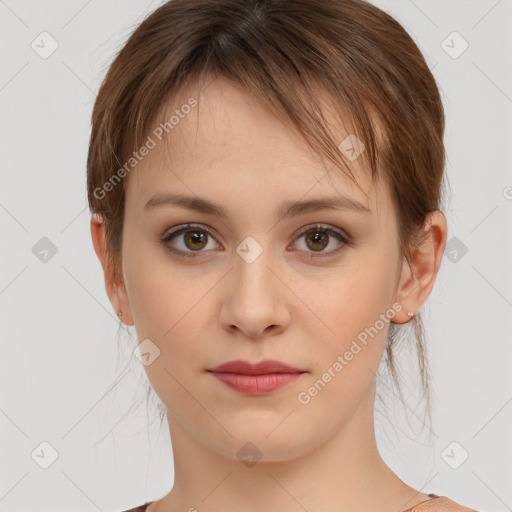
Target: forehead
(221, 141)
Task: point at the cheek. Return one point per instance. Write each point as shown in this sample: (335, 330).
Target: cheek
(167, 306)
(167, 309)
(346, 300)
(354, 307)
(155, 288)
(164, 304)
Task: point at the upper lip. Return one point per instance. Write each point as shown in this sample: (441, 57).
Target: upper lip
(261, 368)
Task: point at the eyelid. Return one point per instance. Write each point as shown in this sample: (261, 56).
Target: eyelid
(321, 227)
(191, 226)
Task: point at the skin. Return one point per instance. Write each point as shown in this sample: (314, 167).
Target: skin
(217, 307)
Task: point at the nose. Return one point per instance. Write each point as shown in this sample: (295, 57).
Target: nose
(255, 299)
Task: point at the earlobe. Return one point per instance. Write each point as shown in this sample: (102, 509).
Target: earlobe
(419, 273)
(405, 285)
(116, 291)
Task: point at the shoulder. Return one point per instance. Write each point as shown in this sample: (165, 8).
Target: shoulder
(140, 508)
(440, 504)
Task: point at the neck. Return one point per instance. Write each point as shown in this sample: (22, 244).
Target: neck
(344, 473)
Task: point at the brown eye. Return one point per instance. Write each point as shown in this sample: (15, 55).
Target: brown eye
(195, 240)
(189, 241)
(317, 240)
(318, 237)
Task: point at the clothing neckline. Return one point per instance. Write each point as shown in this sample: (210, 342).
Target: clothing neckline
(431, 498)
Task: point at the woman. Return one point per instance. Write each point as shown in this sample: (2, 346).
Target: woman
(265, 182)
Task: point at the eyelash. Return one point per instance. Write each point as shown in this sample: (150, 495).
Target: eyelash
(339, 235)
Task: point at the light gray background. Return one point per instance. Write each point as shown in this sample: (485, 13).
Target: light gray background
(60, 379)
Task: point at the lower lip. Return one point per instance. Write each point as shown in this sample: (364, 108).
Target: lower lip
(256, 384)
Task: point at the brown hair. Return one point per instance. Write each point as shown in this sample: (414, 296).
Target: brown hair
(279, 50)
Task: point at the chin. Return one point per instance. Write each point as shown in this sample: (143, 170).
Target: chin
(265, 443)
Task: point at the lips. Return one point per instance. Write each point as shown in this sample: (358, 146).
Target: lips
(264, 367)
(256, 379)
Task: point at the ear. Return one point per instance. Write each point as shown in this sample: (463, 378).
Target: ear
(419, 274)
(115, 290)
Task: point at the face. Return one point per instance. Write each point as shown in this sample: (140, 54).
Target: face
(312, 289)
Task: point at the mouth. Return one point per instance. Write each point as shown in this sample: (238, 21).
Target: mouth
(256, 379)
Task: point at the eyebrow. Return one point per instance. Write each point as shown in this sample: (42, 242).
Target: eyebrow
(286, 210)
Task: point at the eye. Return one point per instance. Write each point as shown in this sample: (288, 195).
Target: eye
(318, 237)
(191, 240)
(195, 239)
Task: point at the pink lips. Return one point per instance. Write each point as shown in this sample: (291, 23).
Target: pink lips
(256, 379)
